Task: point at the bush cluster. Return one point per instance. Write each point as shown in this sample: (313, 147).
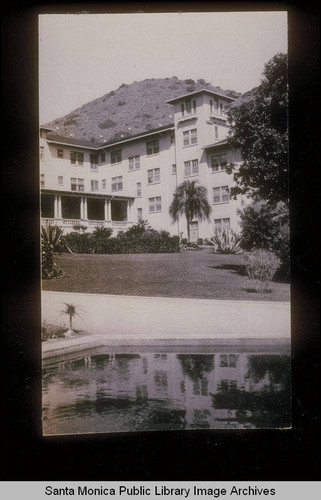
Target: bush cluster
(49, 332)
(261, 266)
(49, 268)
(267, 227)
(138, 239)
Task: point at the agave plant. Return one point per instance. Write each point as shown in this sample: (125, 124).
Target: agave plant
(226, 242)
(52, 237)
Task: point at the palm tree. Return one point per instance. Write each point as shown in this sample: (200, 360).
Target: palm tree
(71, 311)
(190, 200)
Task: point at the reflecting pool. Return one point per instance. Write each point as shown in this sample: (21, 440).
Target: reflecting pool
(101, 391)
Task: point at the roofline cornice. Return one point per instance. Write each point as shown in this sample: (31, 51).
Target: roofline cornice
(206, 91)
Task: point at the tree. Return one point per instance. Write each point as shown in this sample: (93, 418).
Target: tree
(259, 128)
(190, 200)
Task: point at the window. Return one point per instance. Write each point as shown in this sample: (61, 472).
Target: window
(42, 153)
(134, 163)
(211, 106)
(117, 183)
(221, 194)
(138, 189)
(42, 180)
(103, 184)
(115, 156)
(174, 171)
(102, 157)
(194, 107)
(194, 136)
(190, 168)
(182, 109)
(60, 180)
(139, 214)
(190, 137)
(153, 176)
(152, 147)
(76, 158)
(216, 103)
(221, 225)
(60, 153)
(77, 184)
(218, 162)
(188, 106)
(94, 185)
(221, 108)
(94, 162)
(172, 139)
(216, 132)
(155, 204)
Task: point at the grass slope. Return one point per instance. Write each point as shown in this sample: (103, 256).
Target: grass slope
(190, 274)
(129, 110)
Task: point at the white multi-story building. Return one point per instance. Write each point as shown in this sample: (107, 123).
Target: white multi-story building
(117, 184)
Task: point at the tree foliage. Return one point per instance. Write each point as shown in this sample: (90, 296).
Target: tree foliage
(259, 128)
(190, 200)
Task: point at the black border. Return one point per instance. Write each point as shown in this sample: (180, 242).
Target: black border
(274, 455)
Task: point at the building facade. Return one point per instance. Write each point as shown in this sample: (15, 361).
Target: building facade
(118, 184)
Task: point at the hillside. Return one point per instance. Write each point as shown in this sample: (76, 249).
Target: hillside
(129, 110)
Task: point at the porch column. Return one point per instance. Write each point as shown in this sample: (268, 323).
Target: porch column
(129, 206)
(59, 208)
(56, 216)
(108, 209)
(85, 214)
(81, 208)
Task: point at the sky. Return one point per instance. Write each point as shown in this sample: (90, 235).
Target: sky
(84, 56)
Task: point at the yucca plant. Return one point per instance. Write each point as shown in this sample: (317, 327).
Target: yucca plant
(71, 310)
(102, 232)
(226, 242)
(50, 243)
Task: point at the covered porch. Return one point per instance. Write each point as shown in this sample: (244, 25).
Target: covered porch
(69, 210)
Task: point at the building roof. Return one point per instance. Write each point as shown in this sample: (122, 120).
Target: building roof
(223, 142)
(81, 143)
(206, 91)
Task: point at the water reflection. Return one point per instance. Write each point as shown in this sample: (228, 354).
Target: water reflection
(153, 391)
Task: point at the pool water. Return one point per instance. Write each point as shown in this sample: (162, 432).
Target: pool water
(101, 391)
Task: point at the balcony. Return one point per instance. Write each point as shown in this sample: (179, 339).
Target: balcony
(68, 224)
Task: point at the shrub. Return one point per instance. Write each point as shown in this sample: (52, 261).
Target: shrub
(226, 242)
(107, 124)
(200, 241)
(80, 228)
(138, 239)
(49, 268)
(49, 332)
(267, 227)
(261, 266)
(79, 243)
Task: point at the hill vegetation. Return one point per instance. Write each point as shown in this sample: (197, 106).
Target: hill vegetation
(129, 110)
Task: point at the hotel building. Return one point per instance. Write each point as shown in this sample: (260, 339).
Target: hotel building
(117, 184)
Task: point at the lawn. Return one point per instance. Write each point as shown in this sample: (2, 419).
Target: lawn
(191, 274)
